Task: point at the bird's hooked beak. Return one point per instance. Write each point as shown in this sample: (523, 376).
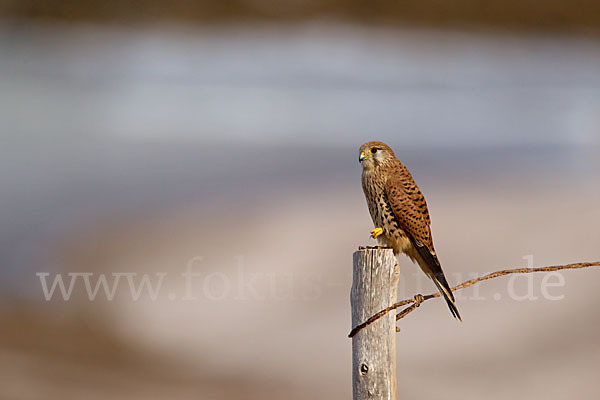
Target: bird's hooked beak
(362, 156)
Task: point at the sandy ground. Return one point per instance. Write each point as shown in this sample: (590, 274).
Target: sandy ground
(253, 342)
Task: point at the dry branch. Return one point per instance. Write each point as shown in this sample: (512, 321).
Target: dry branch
(418, 299)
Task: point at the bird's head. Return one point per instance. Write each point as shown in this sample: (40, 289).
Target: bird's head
(375, 153)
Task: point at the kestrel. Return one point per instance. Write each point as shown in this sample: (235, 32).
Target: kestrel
(399, 212)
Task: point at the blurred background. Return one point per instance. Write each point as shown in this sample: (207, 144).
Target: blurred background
(211, 147)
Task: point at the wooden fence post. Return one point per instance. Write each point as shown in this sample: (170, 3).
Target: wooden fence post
(374, 287)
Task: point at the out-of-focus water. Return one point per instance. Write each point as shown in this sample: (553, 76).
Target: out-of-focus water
(333, 83)
(104, 120)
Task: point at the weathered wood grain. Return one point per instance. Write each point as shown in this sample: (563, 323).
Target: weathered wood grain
(374, 287)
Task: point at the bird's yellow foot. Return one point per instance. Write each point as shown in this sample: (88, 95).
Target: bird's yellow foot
(376, 232)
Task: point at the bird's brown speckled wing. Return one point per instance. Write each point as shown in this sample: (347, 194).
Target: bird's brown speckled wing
(412, 216)
(419, 199)
(410, 209)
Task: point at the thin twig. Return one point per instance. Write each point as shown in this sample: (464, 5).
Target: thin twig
(418, 299)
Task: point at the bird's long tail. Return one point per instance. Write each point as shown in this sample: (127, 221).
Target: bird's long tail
(444, 289)
(432, 268)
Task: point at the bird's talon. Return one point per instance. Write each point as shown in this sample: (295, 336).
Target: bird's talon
(376, 232)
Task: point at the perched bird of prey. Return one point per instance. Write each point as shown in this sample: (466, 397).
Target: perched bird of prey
(399, 212)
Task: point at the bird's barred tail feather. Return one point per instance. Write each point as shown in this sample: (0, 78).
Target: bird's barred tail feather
(431, 266)
(444, 289)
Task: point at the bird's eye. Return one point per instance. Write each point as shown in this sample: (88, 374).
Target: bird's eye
(373, 150)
